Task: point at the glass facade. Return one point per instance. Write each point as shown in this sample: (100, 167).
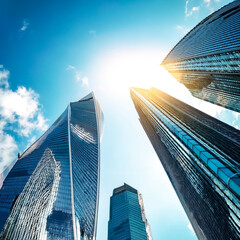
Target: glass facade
(52, 190)
(207, 59)
(4, 174)
(127, 216)
(200, 155)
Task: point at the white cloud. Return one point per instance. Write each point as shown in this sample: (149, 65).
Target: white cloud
(85, 81)
(22, 107)
(20, 114)
(32, 140)
(183, 29)
(191, 11)
(4, 74)
(8, 150)
(25, 25)
(41, 122)
(225, 115)
(208, 5)
(230, 117)
(207, 107)
(78, 75)
(22, 103)
(70, 67)
(211, 5)
(92, 32)
(236, 120)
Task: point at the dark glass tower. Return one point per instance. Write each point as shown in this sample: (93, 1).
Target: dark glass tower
(200, 155)
(207, 59)
(52, 190)
(127, 216)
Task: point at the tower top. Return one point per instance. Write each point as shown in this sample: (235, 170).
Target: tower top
(124, 188)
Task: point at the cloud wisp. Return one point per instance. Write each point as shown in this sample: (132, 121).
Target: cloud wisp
(183, 29)
(211, 4)
(20, 115)
(25, 25)
(4, 74)
(92, 32)
(207, 2)
(79, 77)
(192, 10)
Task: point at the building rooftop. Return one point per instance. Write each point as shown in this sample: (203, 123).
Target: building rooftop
(124, 188)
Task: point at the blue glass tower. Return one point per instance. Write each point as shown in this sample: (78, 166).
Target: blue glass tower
(127, 216)
(52, 190)
(207, 59)
(4, 174)
(200, 155)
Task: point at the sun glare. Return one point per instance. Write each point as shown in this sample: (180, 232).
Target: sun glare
(120, 70)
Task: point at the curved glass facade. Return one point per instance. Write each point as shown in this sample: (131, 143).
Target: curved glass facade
(127, 216)
(201, 157)
(52, 190)
(207, 59)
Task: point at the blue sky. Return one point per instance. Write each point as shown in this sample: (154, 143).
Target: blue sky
(54, 52)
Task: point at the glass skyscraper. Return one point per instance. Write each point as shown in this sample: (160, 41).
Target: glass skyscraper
(200, 155)
(207, 59)
(127, 215)
(4, 174)
(53, 189)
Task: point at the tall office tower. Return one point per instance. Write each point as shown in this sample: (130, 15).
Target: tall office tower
(207, 59)
(4, 174)
(52, 190)
(127, 215)
(200, 155)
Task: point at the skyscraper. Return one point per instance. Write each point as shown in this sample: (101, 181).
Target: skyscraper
(207, 59)
(127, 215)
(5, 172)
(52, 190)
(200, 155)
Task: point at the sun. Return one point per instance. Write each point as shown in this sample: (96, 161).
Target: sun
(121, 69)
